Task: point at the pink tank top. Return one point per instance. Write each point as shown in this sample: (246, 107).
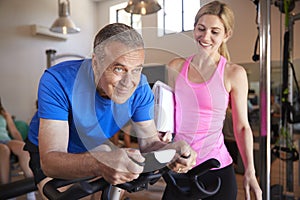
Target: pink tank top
(200, 110)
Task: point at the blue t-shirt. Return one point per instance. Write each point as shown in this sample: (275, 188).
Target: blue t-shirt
(67, 92)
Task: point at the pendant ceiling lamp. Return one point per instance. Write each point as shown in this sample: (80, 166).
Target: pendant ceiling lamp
(64, 24)
(142, 7)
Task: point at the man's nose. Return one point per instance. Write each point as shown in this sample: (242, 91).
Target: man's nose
(126, 79)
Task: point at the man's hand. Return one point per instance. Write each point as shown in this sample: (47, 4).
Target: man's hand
(118, 167)
(165, 136)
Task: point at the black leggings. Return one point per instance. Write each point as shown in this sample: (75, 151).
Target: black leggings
(227, 191)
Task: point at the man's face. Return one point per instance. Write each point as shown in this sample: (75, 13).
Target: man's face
(121, 74)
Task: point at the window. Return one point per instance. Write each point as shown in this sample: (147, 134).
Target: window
(177, 15)
(118, 14)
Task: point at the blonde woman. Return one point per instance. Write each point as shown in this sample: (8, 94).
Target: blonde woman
(204, 85)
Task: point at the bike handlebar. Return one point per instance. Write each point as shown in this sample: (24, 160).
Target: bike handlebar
(86, 186)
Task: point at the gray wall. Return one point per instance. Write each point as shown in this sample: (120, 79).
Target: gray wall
(156, 73)
(23, 58)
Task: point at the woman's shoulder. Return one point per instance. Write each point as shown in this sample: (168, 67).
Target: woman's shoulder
(234, 66)
(234, 69)
(235, 76)
(176, 63)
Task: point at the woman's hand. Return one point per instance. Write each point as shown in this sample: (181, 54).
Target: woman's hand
(3, 112)
(251, 184)
(185, 158)
(6, 114)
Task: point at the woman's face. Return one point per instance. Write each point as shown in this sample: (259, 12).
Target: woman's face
(209, 33)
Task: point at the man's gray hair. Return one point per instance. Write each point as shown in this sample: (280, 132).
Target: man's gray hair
(117, 32)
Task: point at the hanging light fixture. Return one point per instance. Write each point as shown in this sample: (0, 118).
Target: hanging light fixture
(64, 24)
(142, 7)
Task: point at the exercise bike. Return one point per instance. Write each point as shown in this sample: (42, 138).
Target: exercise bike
(195, 186)
(17, 188)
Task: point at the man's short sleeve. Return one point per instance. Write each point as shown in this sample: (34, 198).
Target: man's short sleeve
(143, 102)
(52, 98)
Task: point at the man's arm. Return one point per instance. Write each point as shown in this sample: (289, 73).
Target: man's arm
(115, 166)
(55, 161)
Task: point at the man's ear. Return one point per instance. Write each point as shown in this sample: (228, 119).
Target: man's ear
(93, 57)
(94, 60)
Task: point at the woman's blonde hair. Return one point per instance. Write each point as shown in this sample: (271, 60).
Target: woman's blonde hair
(224, 12)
